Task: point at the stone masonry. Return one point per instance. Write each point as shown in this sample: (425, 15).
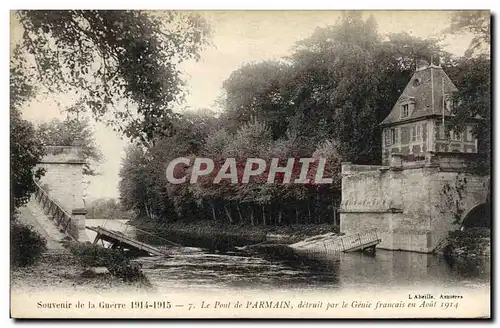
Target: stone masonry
(63, 181)
(412, 204)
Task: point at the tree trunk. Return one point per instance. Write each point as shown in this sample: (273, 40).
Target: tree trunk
(213, 211)
(148, 214)
(279, 217)
(251, 216)
(263, 216)
(228, 213)
(239, 212)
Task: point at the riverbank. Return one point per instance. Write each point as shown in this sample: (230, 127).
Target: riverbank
(474, 243)
(244, 233)
(59, 269)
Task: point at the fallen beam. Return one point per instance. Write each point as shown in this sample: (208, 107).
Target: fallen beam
(117, 238)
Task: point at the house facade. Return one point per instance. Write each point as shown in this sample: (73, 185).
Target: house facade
(415, 123)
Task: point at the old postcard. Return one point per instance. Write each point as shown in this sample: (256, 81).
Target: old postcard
(250, 164)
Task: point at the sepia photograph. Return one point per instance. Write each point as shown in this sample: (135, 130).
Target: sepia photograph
(178, 164)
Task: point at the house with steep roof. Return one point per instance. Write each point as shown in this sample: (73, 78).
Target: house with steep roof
(415, 124)
(424, 188)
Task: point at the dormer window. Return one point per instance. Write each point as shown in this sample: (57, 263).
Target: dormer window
(405, 110)
(407, 106)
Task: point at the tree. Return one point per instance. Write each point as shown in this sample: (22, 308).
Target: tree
(476, 22)
(107, 56)
(472, 103)
(69, 131)
(25, 153)
(107, 209)
(25, 150)
(253, 92)
(339, 83)
(346, 78)
(143, 185)
(472, 76)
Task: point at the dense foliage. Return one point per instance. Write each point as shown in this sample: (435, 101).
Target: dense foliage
(472, 75)
(325, 100)
(25, 149)
(69, 132)
(115, 260)
(107, 209)
(110, 56)
(26, 244)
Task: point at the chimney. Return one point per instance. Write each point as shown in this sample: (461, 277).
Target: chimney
(422, 64)
(436, 61)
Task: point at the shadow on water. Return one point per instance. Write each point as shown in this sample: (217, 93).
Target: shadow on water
(468, 267)
(215, 261)
(214, 243)
(314, 269)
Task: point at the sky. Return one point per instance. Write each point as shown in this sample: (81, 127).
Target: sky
(238, 38)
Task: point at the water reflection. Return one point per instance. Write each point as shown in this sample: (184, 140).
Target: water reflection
(213, 263)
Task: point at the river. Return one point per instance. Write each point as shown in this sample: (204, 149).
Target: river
(202, 265)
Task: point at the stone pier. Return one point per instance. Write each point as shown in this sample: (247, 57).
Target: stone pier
(412, 204)
(63, 180)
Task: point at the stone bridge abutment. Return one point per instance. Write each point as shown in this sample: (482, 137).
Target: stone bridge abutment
(63, 181)
(412, 205)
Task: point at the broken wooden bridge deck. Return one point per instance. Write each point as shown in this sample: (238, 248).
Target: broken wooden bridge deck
(332, 243)
(120, 239)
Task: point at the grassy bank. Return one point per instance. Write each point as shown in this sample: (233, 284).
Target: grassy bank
(250, 234)
(62, 271)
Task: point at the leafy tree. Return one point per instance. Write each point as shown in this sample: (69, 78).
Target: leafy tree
(25, 150)
(476, 22)
(25, 153)
(69, 131)
(132, 184)
(107, 56)
(345, 80)
(339, 83)
(253, 92)
(108, 209)
(472, 75)
(143, 185)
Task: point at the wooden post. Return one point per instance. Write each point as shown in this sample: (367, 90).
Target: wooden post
(97, 238)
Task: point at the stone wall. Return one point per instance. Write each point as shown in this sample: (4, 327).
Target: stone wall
(63, 181)
(411, 207)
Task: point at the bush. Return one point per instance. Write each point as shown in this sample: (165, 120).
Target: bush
(90, 255)
(26, 245)
(118, 264)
